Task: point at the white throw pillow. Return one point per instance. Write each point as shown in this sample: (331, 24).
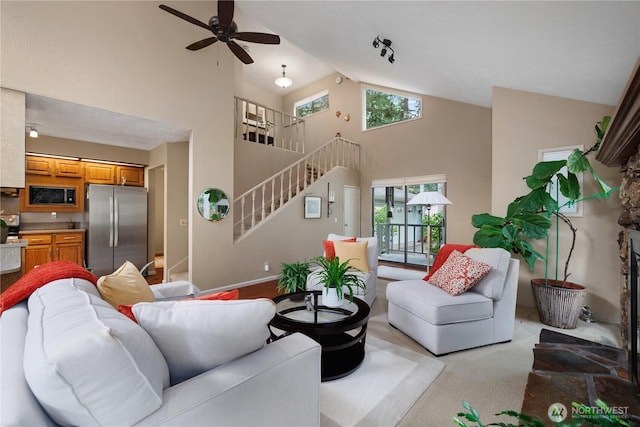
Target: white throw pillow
(86, 363)
(196, 336)
(493, 283)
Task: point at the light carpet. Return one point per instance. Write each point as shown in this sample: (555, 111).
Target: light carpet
(382, 390)
(394, 273)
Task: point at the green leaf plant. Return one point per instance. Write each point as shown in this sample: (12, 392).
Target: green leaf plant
(529, 216)
(293, 277)
(336, 274)
(600, 415)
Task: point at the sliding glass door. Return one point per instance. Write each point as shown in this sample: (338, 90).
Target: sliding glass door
(403, 231)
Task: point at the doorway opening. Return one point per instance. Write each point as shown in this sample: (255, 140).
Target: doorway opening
(404, 231)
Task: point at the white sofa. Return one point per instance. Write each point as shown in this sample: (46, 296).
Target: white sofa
(112, 373)
(370, 278)
(443, 323)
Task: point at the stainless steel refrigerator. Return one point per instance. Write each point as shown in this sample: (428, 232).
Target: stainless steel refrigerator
(116, 221)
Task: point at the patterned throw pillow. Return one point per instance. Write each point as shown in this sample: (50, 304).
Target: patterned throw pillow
(459, 273)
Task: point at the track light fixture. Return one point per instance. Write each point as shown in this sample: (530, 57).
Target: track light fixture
(386, 47)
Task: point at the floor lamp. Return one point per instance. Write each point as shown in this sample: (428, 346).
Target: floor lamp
(428, 199)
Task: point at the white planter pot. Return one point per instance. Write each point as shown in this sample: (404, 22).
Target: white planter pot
(330, 297)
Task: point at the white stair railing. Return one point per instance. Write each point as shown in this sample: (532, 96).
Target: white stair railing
(256, 205)
(259, 123)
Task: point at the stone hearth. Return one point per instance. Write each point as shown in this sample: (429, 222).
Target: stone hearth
(568, 369)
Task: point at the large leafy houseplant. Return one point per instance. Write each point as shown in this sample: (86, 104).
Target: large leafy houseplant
(529, 216)
(293, 277)
(339, 275)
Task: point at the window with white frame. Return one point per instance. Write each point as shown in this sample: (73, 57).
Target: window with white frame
(385, 107)
(311, 105)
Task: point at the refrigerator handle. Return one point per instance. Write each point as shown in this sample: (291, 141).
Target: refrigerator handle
(110, 222)
(116, 225)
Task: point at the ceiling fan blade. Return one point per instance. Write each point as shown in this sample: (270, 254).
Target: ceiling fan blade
(239, 52)
(202, 43)
(263, 38)
(225, 14)
(186, 17)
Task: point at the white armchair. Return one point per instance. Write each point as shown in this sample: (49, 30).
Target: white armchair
(370, 278)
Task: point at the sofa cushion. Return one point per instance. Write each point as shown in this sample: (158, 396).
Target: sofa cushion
(225, 331)
(493, 284)
(459, 273)
(86, 363)
(353, 252)
(125, 286)
(435, 305)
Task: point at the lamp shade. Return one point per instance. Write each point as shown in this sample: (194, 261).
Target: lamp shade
(429, 198)
(284, 81)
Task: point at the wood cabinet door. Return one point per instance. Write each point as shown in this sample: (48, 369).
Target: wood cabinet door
(69, 247)
(130, 175)
(36, 255)
(99, 173)
(69, 168)
(38, 166)
(73, 252)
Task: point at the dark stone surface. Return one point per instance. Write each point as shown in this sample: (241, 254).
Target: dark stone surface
(568, 369)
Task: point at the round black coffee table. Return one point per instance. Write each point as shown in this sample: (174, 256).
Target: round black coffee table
(341, 331)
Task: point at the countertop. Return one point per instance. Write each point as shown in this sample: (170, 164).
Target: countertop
(14, 243)
(53, 230)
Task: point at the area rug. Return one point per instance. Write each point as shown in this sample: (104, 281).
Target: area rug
(382, 390)
(394, 273)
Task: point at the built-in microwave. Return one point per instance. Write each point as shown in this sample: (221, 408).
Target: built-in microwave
(47, 195)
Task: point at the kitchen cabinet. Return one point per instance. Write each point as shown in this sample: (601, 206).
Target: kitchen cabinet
(99, 173)
(48, 166)
(103, 173)
(130, 175)
(56, 246)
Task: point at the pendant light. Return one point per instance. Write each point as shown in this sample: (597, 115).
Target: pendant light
(283, 81)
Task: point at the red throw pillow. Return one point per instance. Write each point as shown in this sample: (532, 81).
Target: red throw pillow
(40, 276)
(224, 295)
(444, 253)
(330, 250)
(459, 273)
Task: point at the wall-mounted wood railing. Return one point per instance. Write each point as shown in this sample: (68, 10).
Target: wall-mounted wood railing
(258, 123)
(256, 205)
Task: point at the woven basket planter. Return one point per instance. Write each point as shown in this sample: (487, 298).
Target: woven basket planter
(558, 306)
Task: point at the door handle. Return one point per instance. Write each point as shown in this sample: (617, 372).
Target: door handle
(117, 222)
(110, 222)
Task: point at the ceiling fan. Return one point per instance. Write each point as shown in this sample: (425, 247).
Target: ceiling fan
(225, 30)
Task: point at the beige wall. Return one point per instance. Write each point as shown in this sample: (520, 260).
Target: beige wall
(45, 144)
(451, 138)
(12, 139)
(524, 123)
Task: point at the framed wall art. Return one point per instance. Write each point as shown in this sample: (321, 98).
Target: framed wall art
(312, 207)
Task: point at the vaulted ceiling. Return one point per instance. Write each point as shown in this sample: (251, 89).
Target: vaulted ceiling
(451, 49)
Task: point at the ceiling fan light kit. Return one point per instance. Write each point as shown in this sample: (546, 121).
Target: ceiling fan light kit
(386, 47)
(283, 81)
(224, 30)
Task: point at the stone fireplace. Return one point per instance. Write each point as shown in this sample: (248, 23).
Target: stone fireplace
(620, 147)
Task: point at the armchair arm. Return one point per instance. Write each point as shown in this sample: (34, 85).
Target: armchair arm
(178, 289)
(281, 381)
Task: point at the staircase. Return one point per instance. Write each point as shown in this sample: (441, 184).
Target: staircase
(261, 124)
(255, 206)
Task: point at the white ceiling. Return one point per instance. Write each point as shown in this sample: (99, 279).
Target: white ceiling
(450, 49)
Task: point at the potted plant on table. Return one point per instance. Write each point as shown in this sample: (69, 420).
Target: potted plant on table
(4, 230)
(529, 217)
(336, 277)
(293, 277)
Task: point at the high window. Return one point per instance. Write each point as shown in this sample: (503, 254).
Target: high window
(383, 108)
(311, 105)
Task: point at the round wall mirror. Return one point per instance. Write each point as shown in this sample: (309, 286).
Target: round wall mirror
(213, 204)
